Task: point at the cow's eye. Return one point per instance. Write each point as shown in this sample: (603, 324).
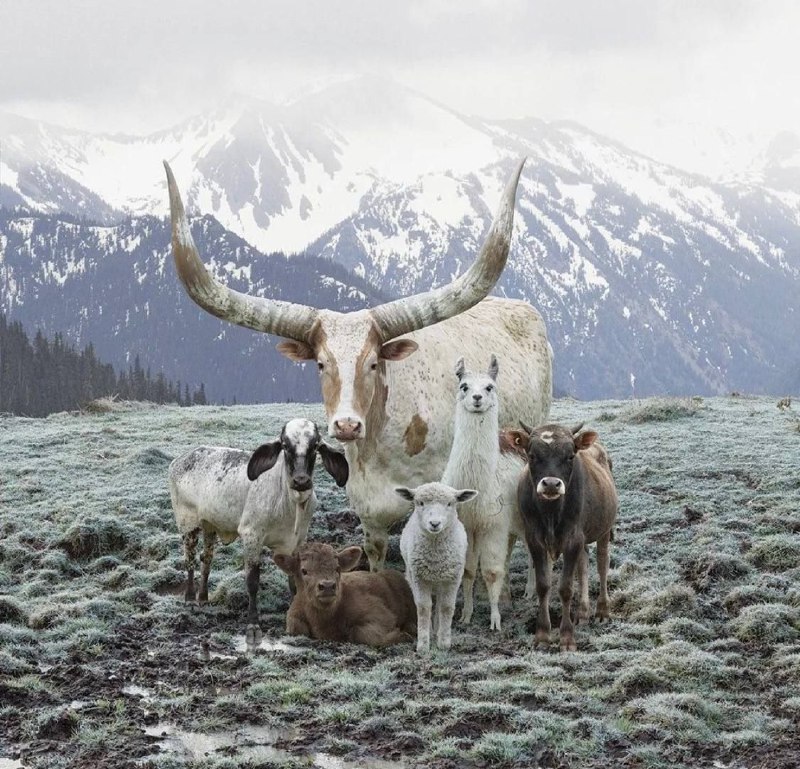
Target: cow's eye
(374, 366)
(320, 365)
(304, 572)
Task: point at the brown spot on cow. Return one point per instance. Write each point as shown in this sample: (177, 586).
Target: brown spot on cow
(415, 435)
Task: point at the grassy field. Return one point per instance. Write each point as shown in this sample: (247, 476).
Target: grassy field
(102, 664)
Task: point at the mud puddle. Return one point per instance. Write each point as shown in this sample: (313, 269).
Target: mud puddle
(241, 646)
(253, 743)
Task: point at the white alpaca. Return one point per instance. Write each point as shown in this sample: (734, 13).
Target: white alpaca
(434, 547)
(473, 463)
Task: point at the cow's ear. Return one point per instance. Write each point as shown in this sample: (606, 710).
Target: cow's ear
(296, 351)
(398, 349)
(405, 493)
(518, 440)
(263, 459)
(465, 495)
(287, 563)
(349, 558)
(584, 440)
(335, 463)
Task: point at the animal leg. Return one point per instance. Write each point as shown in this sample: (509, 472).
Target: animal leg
(209, 540)
(530, 585)
(376, 543)
(253, 578)
(583, 586)
(468, 582)
(505, 596)
(492, 550)
(189, 550)
(422, 595)
(543, 568)
(603, 557)
(572, 557)
(445, 608)
(296, 624)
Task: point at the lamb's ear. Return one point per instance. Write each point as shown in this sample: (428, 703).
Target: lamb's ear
(405, 493)
(287, 563)
(584, 440)
(460, 368)
(349, 558)
(335, 463)
(493, 367)
(263, 459)
(465, 495)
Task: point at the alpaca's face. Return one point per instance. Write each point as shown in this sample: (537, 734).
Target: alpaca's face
(477, 393)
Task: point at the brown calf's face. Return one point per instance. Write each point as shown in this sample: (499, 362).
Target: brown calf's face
(351, 360)
(551, 453)
(317, 569)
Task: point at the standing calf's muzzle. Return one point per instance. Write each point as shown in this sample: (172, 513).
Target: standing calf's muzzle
(551, 488)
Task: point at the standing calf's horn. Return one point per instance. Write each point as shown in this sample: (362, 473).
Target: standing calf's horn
(296, 321)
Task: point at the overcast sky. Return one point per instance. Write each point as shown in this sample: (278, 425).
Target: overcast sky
(618, 66)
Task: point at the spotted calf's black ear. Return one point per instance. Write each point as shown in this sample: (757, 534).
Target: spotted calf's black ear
(286, 563)
(335, 463)
(263, 459)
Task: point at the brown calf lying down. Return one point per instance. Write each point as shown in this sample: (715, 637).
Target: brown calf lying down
(567, 500)
(333, 603)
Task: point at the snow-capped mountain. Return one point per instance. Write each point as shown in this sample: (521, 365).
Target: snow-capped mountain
(115, 286)
(651, 279)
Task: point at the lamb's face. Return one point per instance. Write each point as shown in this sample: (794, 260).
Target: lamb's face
(435, 505)
(477, 393)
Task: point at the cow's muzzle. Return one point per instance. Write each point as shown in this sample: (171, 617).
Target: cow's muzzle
(348, 429)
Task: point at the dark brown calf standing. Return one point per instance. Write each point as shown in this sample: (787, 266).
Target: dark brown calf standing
(567, 499)
(333, 603)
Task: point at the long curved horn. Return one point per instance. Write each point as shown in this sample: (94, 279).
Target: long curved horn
(273, 316)
(399, 317)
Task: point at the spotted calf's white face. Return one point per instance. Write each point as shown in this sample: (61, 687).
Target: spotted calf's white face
(351, 359)
(477, 393)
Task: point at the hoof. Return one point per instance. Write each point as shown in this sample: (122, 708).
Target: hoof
(253, 637)
(541, 640)
(494, 624)
(568, 645)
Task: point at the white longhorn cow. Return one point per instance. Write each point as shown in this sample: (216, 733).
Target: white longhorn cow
(389, 399)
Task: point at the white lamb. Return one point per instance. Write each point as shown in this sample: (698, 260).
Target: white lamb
(473, 463)
(434, 547)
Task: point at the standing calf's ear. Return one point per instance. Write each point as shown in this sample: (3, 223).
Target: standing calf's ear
(349, 558)
(263, 459)
(584, 440)
(287, 563)
(465, 495)
(515, 441)
(335, 463)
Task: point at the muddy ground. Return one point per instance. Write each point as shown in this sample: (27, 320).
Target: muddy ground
(103, 665)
